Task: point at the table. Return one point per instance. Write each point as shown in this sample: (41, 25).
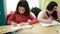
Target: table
(1, 33)
(7, 28)
(44, 30)
(36, 29)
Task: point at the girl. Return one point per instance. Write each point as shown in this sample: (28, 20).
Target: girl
(51, 13)
(22, 15)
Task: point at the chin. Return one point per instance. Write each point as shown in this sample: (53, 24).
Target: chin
(22, 13)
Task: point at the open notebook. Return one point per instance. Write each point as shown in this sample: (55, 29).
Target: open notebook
(20, 27)
(54, 23)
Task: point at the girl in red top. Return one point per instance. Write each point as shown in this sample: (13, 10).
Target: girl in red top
(22, 15)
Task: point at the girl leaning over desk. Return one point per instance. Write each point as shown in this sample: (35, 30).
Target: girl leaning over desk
(51, 13)
(22, 15)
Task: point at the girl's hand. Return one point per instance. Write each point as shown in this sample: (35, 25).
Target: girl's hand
(50, 20)
(24, 23)
(14, 24)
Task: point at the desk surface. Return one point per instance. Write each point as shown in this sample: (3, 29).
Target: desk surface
(5, 29)
(9, 28)
(1, 33)
(37, 29)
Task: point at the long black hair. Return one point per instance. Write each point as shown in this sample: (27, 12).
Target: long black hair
(24, 4)
(50, 7)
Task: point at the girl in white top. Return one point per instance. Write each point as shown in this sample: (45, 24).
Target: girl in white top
(51, 13)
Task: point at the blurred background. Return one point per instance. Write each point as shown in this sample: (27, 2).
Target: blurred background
(11, 4)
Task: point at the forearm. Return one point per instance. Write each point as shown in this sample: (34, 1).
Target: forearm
(45, 20)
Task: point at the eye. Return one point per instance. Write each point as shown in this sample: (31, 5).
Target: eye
(55, 8)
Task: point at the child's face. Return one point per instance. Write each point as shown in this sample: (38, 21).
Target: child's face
(21, 10)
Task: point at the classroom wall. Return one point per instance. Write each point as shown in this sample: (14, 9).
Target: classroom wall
(43, 3)
(2, 13)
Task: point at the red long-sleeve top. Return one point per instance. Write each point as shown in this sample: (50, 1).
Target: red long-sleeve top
(18, 18)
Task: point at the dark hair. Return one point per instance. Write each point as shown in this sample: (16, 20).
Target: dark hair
(51, 5)
(24, 4)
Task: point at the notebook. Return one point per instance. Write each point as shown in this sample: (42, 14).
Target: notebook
(20, 27)
(54, 23)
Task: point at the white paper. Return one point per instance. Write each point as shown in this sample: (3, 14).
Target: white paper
(20, 27)
(52, 24)
(27, 26)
